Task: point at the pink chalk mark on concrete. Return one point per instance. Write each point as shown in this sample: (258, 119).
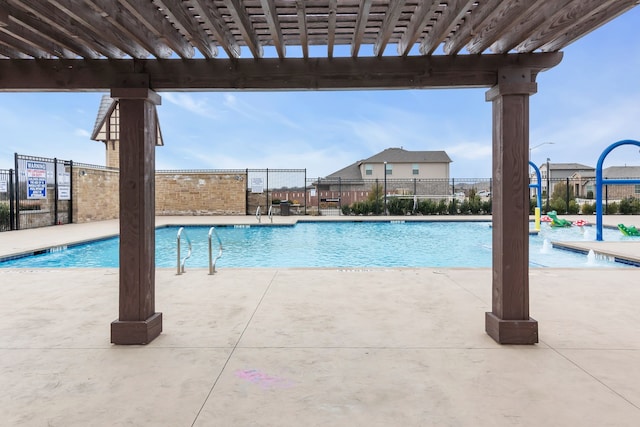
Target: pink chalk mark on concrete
(265, 381)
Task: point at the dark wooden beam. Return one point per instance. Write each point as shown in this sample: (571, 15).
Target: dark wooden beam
(509, 321)
(241, 18)
(389, 24)
(361, 26)
(213, 20)
(451, 17)
(416, 27)
(138, 322)
(331, 27)
(268, 74)
(188, 26)
(302, 25)
(271, 15)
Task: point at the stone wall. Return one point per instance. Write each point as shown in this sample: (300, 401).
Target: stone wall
(201, 193)
(95, 194)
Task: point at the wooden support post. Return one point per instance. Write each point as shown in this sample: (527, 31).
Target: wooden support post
(509, 321)
(138, 323)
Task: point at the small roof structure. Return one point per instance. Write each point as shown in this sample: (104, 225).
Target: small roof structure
(107, 126)
(400, 155)
(621, 172)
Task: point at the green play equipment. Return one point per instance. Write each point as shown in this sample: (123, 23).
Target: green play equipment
(558, 222)
(629, 231)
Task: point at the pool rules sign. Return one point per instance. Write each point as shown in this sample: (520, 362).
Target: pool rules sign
(36, 180)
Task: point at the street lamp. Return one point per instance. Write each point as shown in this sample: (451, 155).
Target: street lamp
(385, 188)
(536, 146)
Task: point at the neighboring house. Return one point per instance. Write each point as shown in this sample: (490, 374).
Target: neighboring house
(585, 182)
(402, 172)
(107, 130)
(399, 164)
(554, 173)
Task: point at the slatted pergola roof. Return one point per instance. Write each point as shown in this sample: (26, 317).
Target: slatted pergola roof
(239, 30)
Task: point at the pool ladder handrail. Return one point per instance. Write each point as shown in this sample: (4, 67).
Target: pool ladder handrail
(181, 262)
(258, 214)
(271, 213)
(212, 261)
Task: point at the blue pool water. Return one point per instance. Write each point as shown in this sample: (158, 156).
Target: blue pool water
(335, 244)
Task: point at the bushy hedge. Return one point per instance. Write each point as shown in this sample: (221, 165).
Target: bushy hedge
(404, 206)
(588, 208)
(630, 206)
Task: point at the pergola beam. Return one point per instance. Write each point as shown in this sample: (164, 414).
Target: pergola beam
(29, 75)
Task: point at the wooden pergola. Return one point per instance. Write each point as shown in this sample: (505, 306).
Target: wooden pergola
(136, 48)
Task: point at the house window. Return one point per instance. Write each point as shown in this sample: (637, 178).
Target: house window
(416, 169)
(368, 169)
(637, 188)
(389, 168)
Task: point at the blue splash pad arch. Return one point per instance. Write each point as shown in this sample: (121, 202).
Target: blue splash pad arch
(601, 181)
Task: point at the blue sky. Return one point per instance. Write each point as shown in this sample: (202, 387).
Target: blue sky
(590, 100)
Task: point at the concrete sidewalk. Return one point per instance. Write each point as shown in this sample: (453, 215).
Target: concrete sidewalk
(271, 347)
(314, 347)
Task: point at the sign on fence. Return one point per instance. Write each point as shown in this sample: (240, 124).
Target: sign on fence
(36, 180)
(64, 186)
(3, 186)
(257, 185)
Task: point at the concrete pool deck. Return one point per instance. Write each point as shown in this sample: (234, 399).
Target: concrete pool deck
(316, 347)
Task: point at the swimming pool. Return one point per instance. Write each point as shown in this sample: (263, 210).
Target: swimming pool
(334, 244)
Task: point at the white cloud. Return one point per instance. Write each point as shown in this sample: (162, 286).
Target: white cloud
(196, 104)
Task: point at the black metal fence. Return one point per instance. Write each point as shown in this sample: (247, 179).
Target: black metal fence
(37, 193)
(282, 190)
(7, 202)
(329, 196)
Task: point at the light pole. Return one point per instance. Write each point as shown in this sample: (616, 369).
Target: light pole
(385, 188)
(536, 146)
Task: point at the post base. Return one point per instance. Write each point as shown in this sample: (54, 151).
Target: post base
(511, 331)
(129, 332)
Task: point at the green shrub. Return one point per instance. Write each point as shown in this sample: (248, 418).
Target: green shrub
(574, 208)
(612, 208)
(346, 210)
(399, 206)
(427, 207)
(630, 206)
(588, 208)
(452, 208)
(558, 205)
(443, 207)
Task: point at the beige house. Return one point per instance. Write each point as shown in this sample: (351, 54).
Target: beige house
(554, 173)
(423, 173)
(399, 164)
(583, 183)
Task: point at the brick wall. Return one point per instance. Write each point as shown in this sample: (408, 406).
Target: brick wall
(185, 193)
(95, 194)
(112, 152)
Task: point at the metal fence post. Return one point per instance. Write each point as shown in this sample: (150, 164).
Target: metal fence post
(71, 191)
(567, 210)
(12, 202)
(55, 190)
(17, 190)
